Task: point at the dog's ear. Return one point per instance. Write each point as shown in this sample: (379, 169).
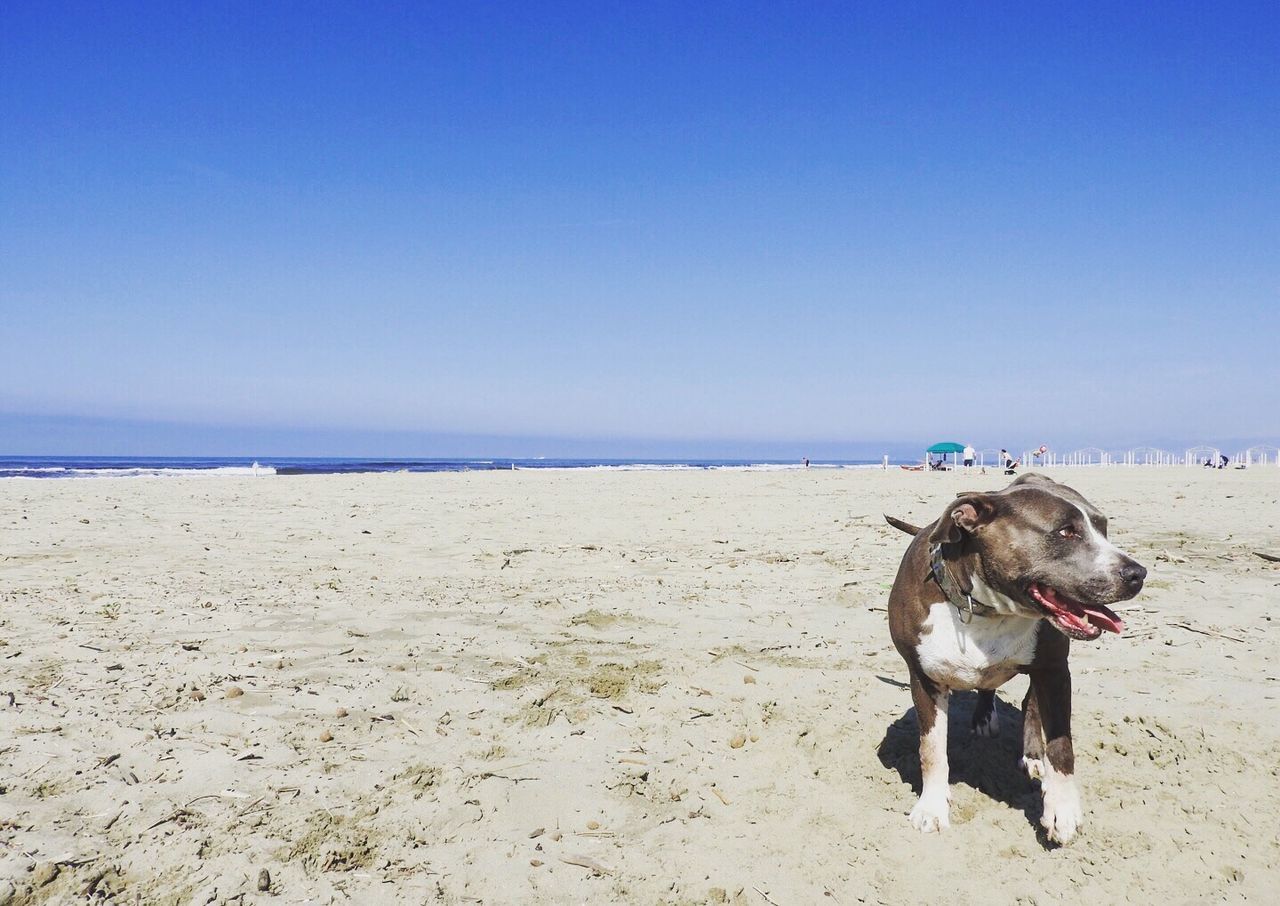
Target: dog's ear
(964, 515)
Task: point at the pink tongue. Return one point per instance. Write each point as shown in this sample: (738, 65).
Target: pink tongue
(1105, 621)
(1080, 612)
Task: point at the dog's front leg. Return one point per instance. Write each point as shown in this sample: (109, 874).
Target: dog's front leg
(933, 810)
(1032, 736)
(1063, 813)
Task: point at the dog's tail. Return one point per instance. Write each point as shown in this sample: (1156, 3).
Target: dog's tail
(903, 526)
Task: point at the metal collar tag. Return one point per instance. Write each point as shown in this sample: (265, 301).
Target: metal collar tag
(961, 600)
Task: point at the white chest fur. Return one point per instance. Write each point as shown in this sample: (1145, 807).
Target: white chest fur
(982, 654)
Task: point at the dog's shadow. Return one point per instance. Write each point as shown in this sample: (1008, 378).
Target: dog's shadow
(990, 766)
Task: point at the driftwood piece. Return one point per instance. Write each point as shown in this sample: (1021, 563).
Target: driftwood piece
(585, 862)
(1209, 632)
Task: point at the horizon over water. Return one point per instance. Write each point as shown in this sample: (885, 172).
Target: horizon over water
(53, 467)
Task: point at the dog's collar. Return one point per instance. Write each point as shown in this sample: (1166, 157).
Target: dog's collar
(962, 600)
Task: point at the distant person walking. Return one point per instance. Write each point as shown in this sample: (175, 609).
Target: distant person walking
(969, 456)
(806, 462)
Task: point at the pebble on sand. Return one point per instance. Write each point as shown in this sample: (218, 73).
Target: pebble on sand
(235, 692)
(197, 695)
(341, 713)
(738, 741)
(749, 679)
(264, 880)
(326, 736)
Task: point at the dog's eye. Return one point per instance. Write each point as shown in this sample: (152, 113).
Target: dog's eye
(1068, 531)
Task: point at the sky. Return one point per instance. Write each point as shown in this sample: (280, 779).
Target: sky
(658, 226)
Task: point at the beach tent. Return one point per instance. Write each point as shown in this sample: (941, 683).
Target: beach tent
(1257, 456)
(1198, 456)
(944, 448)
(991, 452)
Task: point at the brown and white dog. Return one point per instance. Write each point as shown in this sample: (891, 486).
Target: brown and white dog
(999, 585)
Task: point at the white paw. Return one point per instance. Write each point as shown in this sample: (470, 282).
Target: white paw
(1034, 768)
(988, 728)
(1063, 812)
(931, 814)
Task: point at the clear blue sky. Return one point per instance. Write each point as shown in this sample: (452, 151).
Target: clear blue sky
(716, 222)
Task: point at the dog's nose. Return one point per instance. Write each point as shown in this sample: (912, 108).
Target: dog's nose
(1133, 575)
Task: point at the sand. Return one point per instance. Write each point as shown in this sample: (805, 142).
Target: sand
(596, 686)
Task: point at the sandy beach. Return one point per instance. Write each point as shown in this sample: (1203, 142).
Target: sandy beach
(598, 686)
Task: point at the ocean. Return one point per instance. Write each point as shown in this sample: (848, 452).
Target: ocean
(53, 467)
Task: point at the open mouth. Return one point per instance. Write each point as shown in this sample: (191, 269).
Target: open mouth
(1079, 621)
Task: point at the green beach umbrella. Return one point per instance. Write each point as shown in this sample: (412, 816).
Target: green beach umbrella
(944, 448)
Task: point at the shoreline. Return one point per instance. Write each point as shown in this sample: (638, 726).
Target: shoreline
(257, 469)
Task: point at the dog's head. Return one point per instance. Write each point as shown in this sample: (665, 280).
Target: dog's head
(1044, 549)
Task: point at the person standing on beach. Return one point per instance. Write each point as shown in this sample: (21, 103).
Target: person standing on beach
(969, 455)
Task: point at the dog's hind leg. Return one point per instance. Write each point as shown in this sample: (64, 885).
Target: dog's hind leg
(932, 812)
(986, 722)
(1032, 736)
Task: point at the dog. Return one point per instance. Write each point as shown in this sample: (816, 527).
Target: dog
(999, 585)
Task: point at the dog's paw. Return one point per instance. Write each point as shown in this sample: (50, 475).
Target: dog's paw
(1034, 767)
(1063, 812)
(931, 814)
(987, 726)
